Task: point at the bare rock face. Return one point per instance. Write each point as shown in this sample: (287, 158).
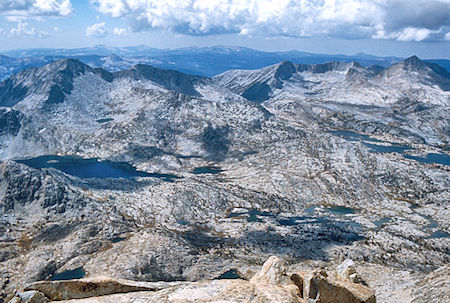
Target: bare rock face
(326, 290)
(346, 269)
(32, 296)
(270, 283)
(271, 272)
(434, 288)
(335, 287)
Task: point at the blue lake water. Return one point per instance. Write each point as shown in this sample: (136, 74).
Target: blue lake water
(438, 234)
(352, 136)
(207, 170)
(77, 273)
(91, 168)
(393, 148)
(379, 223)
(118, 239)
(341, 210)
(251, 215)
(431, 158)
(182, 222)
(104, 120)
(231, 274)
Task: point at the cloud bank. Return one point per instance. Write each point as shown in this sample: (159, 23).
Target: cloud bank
(16, 10)
(403, 20)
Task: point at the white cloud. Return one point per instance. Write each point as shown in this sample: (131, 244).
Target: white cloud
(24, 9)
(22, 29)
(97, 30)
(408, 34)
(447, 36)
(119, 31)
(386, 19)
(414, 34)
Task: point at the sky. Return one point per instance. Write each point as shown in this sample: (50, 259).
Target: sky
(379, 27)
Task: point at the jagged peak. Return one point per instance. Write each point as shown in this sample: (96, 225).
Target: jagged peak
(412, 59)
(170, 79)
(284, 70)
(68, 63)
(413, 62)
(67, 68)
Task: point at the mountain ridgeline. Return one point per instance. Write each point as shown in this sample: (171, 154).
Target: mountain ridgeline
(264, 84)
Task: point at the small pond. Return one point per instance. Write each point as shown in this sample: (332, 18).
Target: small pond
(182, 222)
(207, 170)
(77, 273)
(231, 274)
(104, 120)
(379, 223)
(438, 234)
(341, 210)
(91, 168)
(251, 215)
(118, 239)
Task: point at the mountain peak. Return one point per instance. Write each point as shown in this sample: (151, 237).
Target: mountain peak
(284, 70)
(413, 62)
(68, 64)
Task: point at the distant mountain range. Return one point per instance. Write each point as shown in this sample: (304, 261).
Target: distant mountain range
(207, 61)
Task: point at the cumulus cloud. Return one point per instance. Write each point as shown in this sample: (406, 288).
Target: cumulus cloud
(23, 29)
(119, 31)
(447, 36)
(408, 34)
(97, 30)
(16, 10)
(383, 19)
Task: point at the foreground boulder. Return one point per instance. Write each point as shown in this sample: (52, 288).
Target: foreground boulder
(32, 296)
(324, 289)
(337, 286)
(92, 287)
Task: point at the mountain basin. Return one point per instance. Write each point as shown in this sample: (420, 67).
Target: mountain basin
(91, 167)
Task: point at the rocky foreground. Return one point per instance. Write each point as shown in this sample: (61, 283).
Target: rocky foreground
(272, 283)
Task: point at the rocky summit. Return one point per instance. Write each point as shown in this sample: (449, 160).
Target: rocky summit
(151, 185)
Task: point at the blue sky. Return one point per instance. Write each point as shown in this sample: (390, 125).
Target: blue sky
(379, 27)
